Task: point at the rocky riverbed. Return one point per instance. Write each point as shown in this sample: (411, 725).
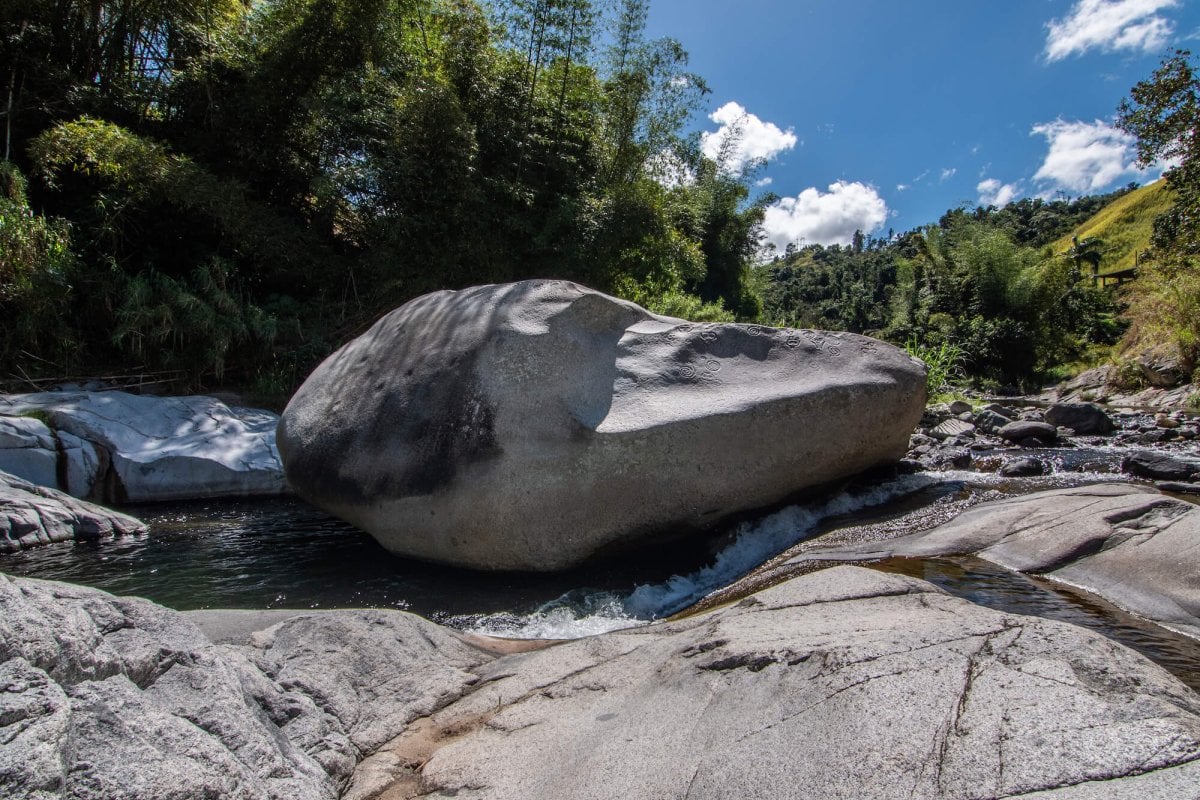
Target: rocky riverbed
(894, 688)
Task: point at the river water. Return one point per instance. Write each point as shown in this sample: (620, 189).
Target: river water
(285, 554)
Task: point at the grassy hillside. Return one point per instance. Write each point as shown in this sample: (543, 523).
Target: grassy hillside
(1123, 226)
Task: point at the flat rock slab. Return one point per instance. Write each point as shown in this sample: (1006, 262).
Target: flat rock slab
(845, 683)
(530, 426)
(1128, 544)
(123, 447)
(32, 515)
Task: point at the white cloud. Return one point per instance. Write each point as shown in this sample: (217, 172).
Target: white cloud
(948, 173)
(743, 138)
(902, 187)
(767, 181)
(1110, 25)
(1085, 156)
(815, 217)
(994, 193)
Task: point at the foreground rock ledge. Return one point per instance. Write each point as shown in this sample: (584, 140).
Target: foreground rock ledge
(841, 684)
(529, 426)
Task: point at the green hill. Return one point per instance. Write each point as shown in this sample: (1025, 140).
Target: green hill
(1123, 226)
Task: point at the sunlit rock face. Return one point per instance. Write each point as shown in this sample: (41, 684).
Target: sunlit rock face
(529, 426)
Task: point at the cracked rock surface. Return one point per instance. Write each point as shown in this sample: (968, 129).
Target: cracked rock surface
(107, 698)
(32, 515)
(120, 447)
(1131, 545)
(846, 683)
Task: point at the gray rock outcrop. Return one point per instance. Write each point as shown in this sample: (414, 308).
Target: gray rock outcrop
(1128, 544)
(108, 698)
(846, 683)
(840, 684)
(115, 447)
(32, 515)
(530, 426)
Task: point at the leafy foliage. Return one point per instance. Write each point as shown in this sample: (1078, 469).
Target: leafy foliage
(1163, 112)
(278, 174)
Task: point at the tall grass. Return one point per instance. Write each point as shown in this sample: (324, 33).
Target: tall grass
(944, 362)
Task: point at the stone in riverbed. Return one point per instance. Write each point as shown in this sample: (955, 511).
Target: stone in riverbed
(845, 683)
(1025, 430)
(1161, 466)
(32, 515)
(529, 426)
(1083, 418)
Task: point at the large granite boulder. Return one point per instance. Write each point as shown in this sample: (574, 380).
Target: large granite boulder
(32, 515)
(116, 447)
(1128, 544)
(529, 426)
(846, 683)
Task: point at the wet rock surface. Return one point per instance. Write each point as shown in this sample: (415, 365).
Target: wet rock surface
(531, 426)
(1129, 544)
(32, 515)
(895, 689)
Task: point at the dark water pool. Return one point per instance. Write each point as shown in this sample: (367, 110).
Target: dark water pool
(284, 553)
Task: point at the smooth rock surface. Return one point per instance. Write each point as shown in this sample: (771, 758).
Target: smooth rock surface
(1161, 466)
(1129, 544)
(27, 450)
(845, 683)
(32, 515)
(1083, 418)
(1024, 430)
(122, 447)
(531, 425)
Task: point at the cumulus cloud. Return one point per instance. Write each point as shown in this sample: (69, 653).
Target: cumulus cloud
(832, 217)
(743, 138)
(993, 192)
(1110, 25)
(1085, 156)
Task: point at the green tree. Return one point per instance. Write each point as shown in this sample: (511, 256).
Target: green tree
(1163, 112)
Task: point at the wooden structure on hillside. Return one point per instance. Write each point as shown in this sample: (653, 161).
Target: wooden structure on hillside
(1117, 277)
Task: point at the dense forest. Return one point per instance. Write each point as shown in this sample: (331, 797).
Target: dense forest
(982, 285)
(221, 186)
(229, 190)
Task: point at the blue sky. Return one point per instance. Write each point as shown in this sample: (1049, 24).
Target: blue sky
(879, 114)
